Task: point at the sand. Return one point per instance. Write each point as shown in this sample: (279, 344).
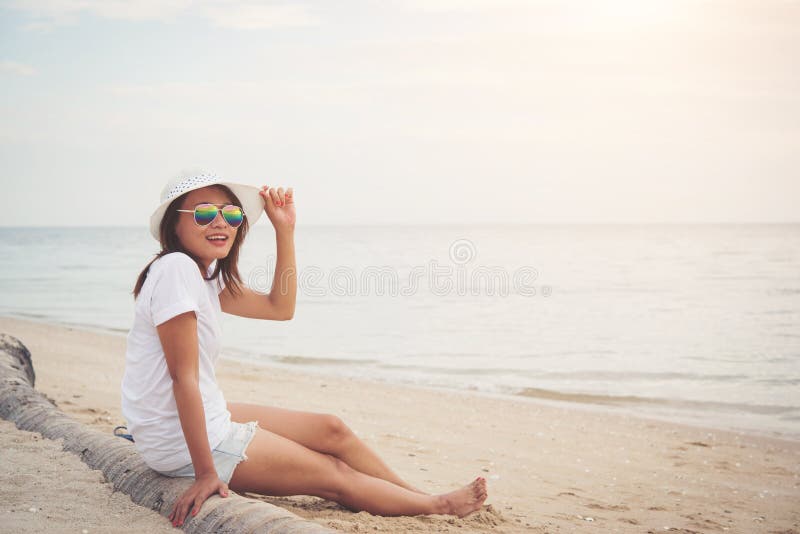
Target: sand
(550, 467)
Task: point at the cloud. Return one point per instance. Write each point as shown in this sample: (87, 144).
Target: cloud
(20, 69)
(234, 14)
(453, 6)
(249, 16)
(50, 13)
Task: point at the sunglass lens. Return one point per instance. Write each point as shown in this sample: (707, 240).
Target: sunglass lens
(233, 215)
(204, 214)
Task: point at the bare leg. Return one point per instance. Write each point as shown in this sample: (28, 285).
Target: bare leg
(323, 433)
(360, 457)
(279, 466)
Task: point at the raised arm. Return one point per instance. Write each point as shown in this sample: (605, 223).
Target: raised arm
(179, 341)
(279, 303)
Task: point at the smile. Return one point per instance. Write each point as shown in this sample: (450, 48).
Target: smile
(217, 239)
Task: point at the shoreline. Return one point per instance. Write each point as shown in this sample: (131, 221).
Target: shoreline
(549, 468)
(604, 404)
(614, 404)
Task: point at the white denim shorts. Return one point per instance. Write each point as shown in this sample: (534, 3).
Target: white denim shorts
(227, 454)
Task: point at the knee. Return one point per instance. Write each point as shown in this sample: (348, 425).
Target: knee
(340, 481)
(336, 432)
(341, 467)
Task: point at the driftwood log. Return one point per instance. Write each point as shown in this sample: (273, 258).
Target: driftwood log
(121, 464)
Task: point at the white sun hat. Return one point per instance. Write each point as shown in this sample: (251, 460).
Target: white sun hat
(249, 196)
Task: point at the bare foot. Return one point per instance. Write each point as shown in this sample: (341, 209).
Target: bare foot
(466, 500)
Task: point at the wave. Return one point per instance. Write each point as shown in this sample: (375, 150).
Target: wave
(623, 400)
(310, 360)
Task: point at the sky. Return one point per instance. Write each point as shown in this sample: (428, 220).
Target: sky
(406, 111)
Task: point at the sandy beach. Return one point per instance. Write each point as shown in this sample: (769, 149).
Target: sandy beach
(549, 467)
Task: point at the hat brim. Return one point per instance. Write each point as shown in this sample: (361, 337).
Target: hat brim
(248, 195)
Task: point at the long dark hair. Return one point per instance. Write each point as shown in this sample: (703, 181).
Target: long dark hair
(227, 267)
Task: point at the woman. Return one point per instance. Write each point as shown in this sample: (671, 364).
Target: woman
(177, 414)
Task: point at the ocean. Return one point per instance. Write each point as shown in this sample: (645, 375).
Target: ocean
(692, 323)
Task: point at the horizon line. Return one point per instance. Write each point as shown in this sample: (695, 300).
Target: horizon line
(485, 223)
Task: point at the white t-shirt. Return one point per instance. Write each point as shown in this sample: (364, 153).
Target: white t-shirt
(173, 286)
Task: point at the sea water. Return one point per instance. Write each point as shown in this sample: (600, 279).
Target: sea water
(696, 323)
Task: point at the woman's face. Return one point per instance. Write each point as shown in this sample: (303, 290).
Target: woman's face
(196, 238)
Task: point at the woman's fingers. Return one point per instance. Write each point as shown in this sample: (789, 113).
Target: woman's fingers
(198, 502)
(183, 512)
(176, 513)
(183, 506)
(192, 501)
(187, 503)
(277, 195)
(266, 193)
(178, 521)
(273, 193)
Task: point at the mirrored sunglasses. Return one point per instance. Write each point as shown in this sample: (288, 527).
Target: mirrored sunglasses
(204, 214)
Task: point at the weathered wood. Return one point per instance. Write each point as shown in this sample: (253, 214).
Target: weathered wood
(121, 464)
